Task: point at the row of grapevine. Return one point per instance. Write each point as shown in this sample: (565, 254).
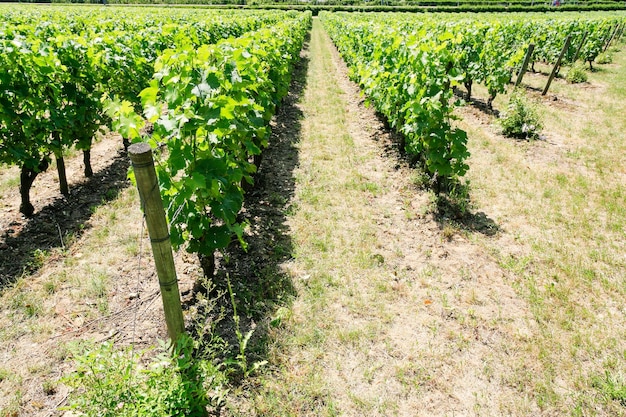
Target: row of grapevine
(492, 48)
(492, 52)
(407, 66)
(210, 108)
(57, 66)
(408, 76)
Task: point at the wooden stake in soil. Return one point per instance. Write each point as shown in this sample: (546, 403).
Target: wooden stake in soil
(143, 165)
(580, 47)
(522, 71)
(557, 64)
(606, 46)
(620, 33)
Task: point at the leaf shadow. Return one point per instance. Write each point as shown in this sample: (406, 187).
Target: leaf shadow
(26, 241)
(447, 208)
(447, 211)
(477, 103)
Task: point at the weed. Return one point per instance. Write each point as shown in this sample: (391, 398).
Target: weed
(576, 74)
(28, 304)
(12, 409)
(111, 194)
(38, 258)
(50, 287)
(455, 202)
(281, 314)
(613, 387)
(277, 200)
(49, 387)
(370, 187)
(62, 352)
(448, 231)
(473, 299)
(420, 179)
(9, 184)
(111, 382)
(605, 58)
(350, 336)
(520, 119)
(131, 246)
(241, 360)
(98, 285)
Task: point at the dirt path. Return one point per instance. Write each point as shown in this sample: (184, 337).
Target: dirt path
(397, 313)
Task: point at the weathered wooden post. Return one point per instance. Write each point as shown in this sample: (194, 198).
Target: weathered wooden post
(580, 47)
(522, 71)
(145, 175)
(614, 32)
(557, 64)
(620, 33)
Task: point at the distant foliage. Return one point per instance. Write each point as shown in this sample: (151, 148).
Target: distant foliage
(210, 108)
(58, 63)
(409, 79)
(612, 386)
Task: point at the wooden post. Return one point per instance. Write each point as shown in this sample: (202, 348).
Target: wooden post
(620, 33)
(610, 38)
(522, 71)
(557, 64)
(143, 165)
(580, 47)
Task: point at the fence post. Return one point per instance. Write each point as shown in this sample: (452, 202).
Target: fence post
(522, 71)
(145, 175)
(557, 64)
(580, 47)
(620, 33)
(610, 38)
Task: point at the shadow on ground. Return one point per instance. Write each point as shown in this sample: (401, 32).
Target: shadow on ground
(28, 242)
(259, 285)
(448, 209)
(449, 212)
(477, 103)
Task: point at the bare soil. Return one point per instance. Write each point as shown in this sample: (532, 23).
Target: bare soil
(57, 216)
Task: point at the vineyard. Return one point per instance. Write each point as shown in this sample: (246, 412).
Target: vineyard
(308, 238)
(412, 6)
(410, 79)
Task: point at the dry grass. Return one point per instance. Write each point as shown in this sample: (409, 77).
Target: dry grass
(40, 312)
(400, 311)
(77, 288)
(404, 313)
(561, 205)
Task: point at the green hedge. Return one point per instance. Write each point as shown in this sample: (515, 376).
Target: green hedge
(455, 9)
(457, 6)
